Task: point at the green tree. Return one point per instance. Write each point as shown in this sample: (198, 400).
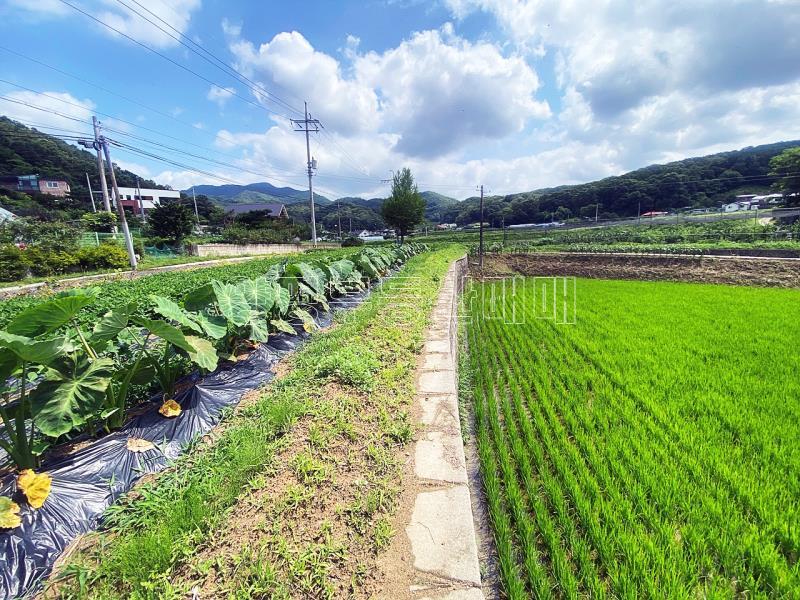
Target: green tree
(405, 208)
(786, 166)
(171, 220)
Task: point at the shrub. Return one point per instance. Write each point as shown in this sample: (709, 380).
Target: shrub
(352, 241)
(104, 256)
(45, 263)
(13, 263)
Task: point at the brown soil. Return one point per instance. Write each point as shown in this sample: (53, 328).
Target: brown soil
(289, 514)
(726, 270)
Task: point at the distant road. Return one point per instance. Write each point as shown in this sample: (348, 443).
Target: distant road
(646, 221)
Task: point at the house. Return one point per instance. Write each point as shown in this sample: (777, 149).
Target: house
(130, 198)
(768, 199)
(36, 184)
(751, 204)
(273, 210)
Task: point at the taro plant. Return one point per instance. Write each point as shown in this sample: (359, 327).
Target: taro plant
(57, 383)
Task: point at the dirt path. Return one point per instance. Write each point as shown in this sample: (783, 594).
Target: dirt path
(766, 272)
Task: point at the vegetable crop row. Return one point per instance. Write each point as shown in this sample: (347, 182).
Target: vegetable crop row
(61, 377)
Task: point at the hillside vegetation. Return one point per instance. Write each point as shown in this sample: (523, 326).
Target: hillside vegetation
(26, 151)
(694, 182)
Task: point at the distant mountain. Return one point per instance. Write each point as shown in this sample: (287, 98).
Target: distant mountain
(254, 192)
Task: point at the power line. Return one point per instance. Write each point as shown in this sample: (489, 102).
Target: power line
(161, 54)
(210, 160)
(225, 68)
(97, 86)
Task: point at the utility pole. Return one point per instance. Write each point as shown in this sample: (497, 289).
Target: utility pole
(639, 214)
(307, 125)
(94, 207)
(339, 217)
(480, 229)
(91, 193)
(141, 200)
(196, 214)
(100, 167)
(596, 210)
(120, 209)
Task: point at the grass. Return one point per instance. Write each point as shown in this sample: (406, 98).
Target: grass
(293, 498)
(647, 450)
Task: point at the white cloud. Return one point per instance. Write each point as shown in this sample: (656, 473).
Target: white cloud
(440, 92)
(436, 91)
(220, 95)
(231, 29)
(43, 8)
(177, 13)
(618, 54)
(60, 109)
(291, 68)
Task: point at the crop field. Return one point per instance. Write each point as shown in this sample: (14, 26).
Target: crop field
(650, 449)
(171, 284)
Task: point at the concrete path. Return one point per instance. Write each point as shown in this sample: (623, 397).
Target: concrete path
(440, 528)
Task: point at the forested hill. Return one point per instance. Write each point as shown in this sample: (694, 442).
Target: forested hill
(26, 151)
(693, 182)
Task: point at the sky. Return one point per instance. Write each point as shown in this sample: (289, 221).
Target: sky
(512, 94)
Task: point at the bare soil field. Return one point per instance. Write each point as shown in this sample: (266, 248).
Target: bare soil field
(728, 270)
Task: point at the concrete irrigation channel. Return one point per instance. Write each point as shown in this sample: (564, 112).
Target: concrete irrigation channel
(435, 552)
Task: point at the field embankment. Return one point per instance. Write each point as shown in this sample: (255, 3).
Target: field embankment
(706, 269)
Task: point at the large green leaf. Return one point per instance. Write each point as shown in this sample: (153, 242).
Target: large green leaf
(259, 329)
(204, 354)
(312, 276)
(283, 326)
(344, 267)
(259, 292)
(232, 303)
(170, 309)
(112, 323)
(8, 364)
(282, 299)
(308, 321)
(48, 316)
(71, 393)
(200, 298)
(214, 326)
(275, 271)
(166, 332)
(40, 352)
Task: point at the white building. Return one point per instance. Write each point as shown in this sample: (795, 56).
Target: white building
(149, 198)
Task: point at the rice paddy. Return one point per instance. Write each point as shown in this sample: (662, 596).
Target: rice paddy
(642, 443)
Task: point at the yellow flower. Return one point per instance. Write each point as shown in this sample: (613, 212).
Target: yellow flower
(170, 408)
(35, 486)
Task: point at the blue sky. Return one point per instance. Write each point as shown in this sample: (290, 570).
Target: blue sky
(514, 94)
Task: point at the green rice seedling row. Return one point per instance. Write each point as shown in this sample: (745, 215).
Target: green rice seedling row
(646, 450)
